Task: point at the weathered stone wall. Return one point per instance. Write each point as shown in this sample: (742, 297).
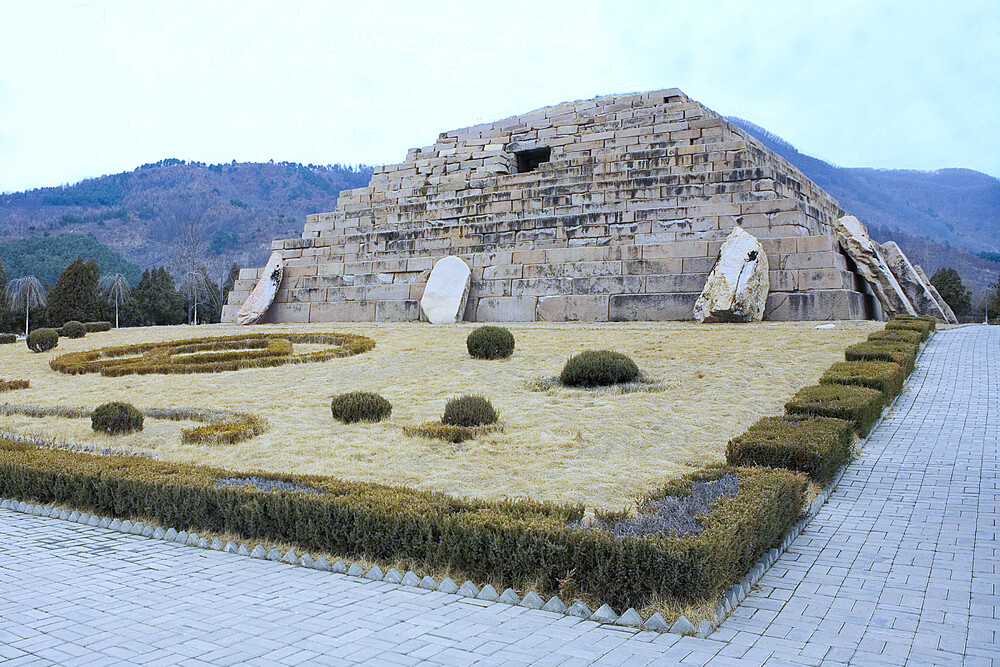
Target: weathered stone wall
(623, 222)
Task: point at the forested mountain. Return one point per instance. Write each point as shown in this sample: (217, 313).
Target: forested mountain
(167, 212)
(939, 218)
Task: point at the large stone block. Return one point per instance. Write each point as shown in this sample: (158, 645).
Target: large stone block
(816, 305)
(576, 308)
(656, 307)
(343, 311)
(397, 311)
(737, 287)
(506, 309)
(868, 258)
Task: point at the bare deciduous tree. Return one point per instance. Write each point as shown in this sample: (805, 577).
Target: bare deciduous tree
(115, 289)
(25, 293)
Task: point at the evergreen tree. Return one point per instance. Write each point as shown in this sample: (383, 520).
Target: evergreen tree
(951, 288)
(74, 296)
(227, 287)
(158, 299)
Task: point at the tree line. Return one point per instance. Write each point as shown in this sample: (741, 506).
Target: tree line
(968, 306)
(82, 294)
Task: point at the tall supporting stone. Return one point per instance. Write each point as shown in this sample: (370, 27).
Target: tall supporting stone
(867, 256)
(263, 294)
(916, 290)
(737, 287)
(942, 304)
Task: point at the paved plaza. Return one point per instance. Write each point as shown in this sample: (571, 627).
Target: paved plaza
(899, 567)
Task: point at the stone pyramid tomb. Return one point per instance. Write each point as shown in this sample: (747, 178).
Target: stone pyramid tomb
(607, 209)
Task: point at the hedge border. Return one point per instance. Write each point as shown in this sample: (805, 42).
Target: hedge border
(272, 351)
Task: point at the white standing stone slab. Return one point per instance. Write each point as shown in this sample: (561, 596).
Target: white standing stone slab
(915, 288)
(737, 287)
(872, 266)
(263, 294)
(447, 291)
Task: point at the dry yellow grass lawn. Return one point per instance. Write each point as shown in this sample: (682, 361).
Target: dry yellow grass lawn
(564, 444)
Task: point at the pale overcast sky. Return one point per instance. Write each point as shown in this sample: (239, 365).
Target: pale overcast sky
(90, 88)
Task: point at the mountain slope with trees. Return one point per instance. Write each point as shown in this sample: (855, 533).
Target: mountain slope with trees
(163, 213)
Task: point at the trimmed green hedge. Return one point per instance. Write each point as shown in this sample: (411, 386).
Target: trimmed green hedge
(73, 329)
(518, 543)
(901, 353)
(923, 326)
(885, 376)
(97, 326)
(816, 446)
(898, 336)
(859, 405)
(7, 338)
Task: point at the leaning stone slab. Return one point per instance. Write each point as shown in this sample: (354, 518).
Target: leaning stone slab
(447, 291)
(942, 304)
(263, 294)
(737, 287)
(872, 266)
(916, 290)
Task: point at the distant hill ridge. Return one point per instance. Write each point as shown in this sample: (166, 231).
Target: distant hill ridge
(162, 212)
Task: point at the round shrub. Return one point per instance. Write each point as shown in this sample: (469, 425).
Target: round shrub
(7, 338)
(598, 368)
(74, 329)
(42, 340)
(116, 418)
(360, 406)
(490, 342)
(469, 411)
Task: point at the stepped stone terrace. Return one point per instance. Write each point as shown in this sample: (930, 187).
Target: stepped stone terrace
(607, 209)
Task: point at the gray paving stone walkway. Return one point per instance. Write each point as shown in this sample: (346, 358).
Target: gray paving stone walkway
(900, 567)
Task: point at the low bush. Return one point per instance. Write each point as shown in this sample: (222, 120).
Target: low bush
(7, 338)
(885, 376)
(490, 342)
(469, 411)
(512, 543)
(901, 353)
(73, 329)
(226, 431)
(97, 326)
(924, 326)
(816, 446)
(598, 368)
(176, 356)
(42, 340)
(360, 406)
(116, 418)
(859, 405)
(436, 430)
(11, 385)
(898, 336)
